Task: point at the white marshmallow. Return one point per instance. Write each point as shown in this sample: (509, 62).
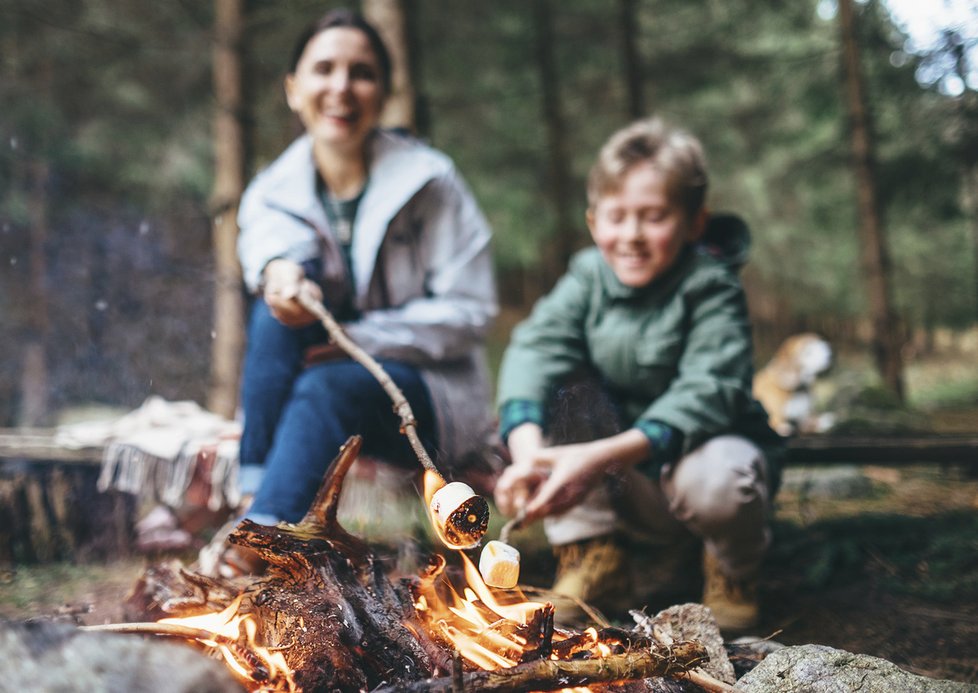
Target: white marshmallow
(499, 565)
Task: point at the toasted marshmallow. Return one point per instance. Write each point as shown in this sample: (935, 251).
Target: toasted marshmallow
(462, 517)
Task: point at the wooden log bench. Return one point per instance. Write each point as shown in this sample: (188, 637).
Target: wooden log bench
(945, 450)
(50, 507)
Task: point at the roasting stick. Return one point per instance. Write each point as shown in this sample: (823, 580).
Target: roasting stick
(461, 515)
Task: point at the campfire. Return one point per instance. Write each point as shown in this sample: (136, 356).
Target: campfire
(326, 616)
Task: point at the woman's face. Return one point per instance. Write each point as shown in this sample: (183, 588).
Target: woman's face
(337, 88)
(638, 229)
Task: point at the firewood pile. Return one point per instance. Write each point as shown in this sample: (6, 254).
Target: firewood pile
(325, 615)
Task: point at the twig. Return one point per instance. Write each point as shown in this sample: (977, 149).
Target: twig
(401, 405)
(152, 628)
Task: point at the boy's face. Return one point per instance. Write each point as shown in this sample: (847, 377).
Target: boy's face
(638, 229)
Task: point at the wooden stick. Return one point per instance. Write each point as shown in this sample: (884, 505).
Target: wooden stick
(401, 406)
(552, 674)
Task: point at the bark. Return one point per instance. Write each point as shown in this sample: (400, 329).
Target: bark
(229, 181)
(886, 340)
(390, 18)
(560, 190)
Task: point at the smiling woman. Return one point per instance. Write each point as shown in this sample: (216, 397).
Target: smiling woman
(385, 232)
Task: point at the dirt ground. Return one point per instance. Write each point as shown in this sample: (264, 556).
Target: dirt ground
(892, 572)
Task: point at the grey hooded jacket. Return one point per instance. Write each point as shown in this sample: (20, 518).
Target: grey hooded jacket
(423, 281)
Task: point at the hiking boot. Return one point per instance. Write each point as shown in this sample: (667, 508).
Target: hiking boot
(590, 573)
(734, 602)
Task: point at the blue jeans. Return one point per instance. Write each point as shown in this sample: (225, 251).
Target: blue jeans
(297, 417)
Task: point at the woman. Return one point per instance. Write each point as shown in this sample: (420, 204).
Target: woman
(383, 229)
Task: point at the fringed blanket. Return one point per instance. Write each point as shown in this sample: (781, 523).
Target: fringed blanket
(171, 452)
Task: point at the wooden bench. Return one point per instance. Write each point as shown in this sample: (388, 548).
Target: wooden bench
(50, 507)
(947, 450)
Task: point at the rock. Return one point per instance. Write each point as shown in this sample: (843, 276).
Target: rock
(49, 657)
(821, 669)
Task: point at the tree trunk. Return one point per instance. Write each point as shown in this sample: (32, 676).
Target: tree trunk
(229, 180)
(35, 401)
(875, 257)
(970, 195)
(631, 59)
(559, 252)
(391, 21)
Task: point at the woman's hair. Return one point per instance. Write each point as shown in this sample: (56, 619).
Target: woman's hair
(675, 153)
(352, 20)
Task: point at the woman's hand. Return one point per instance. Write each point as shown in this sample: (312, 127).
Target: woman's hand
(284, 279)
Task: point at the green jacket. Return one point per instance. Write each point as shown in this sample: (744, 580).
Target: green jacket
(677, 351)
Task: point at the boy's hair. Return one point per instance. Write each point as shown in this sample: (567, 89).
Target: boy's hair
(676, 153)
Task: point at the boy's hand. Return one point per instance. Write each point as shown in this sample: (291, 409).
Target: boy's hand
(548, 481)
(573, 472)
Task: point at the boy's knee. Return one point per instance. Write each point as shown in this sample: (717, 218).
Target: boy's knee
(718, 480)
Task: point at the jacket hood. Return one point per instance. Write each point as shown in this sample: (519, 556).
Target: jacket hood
(726, 238)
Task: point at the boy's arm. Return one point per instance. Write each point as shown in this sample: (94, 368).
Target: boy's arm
(544, 349)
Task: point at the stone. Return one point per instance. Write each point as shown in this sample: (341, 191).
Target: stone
(822, 669)
(49, 657)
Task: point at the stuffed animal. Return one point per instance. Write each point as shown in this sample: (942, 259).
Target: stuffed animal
(783, 386)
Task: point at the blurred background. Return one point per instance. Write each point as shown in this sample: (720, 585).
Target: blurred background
(845, 133)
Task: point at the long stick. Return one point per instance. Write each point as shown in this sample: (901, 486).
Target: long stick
(401, 406)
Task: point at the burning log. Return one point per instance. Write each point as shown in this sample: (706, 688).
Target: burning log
(553, 674)
(325, 602)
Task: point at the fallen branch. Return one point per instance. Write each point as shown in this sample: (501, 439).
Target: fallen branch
(553, 674)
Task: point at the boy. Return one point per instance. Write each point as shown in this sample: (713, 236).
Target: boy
(656, 315)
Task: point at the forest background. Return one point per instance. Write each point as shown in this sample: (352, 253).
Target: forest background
(117, 184)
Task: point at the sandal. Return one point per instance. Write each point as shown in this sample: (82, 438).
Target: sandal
(220, 558)
(237, 561)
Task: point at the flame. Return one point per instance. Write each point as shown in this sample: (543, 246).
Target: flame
(254, 664)
(483, 624)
